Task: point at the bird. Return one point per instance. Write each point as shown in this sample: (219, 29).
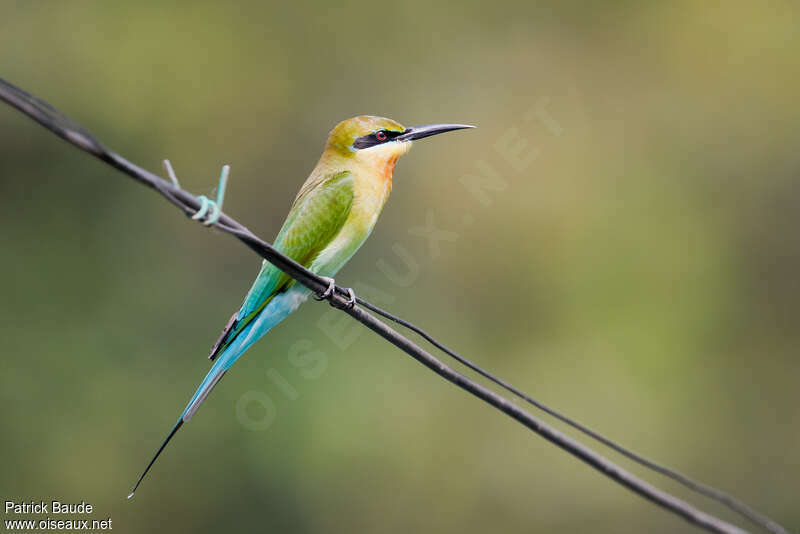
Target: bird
(332, 216)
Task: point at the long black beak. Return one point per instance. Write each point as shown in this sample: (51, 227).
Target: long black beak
(427, 130)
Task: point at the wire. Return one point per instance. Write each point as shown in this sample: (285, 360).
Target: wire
(699, 487)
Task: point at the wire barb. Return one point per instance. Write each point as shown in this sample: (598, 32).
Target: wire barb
(171, 174)
(205, 203)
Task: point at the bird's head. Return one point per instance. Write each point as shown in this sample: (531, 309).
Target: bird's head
(379, 141)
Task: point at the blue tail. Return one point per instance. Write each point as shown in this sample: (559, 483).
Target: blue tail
(276, 311)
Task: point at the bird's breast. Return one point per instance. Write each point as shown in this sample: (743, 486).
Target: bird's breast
(371, 191)
(370, 194)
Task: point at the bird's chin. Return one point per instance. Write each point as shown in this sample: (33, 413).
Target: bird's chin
(385, 152)
(403, 147)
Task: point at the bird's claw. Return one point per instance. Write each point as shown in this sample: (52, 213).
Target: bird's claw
(351, 298)
(328, 291)
(331, 289)
(206, 205)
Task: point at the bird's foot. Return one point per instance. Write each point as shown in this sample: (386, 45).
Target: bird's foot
(331, 290)
(210, 210)
(351, 298)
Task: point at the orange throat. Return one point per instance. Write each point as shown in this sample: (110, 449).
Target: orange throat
(379, 162)
(388, 171)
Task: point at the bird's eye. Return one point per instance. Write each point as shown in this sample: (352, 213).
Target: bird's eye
(380, 136)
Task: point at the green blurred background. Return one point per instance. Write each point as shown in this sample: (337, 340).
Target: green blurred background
(638, 269)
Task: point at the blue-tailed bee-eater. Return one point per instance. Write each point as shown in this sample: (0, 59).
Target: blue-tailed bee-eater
(333, 214)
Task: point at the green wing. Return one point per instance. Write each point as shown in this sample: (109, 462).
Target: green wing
(314, 220)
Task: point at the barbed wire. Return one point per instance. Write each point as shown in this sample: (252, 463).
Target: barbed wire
(75, 134)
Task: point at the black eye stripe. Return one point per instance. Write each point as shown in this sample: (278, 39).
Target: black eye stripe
(373, 139)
